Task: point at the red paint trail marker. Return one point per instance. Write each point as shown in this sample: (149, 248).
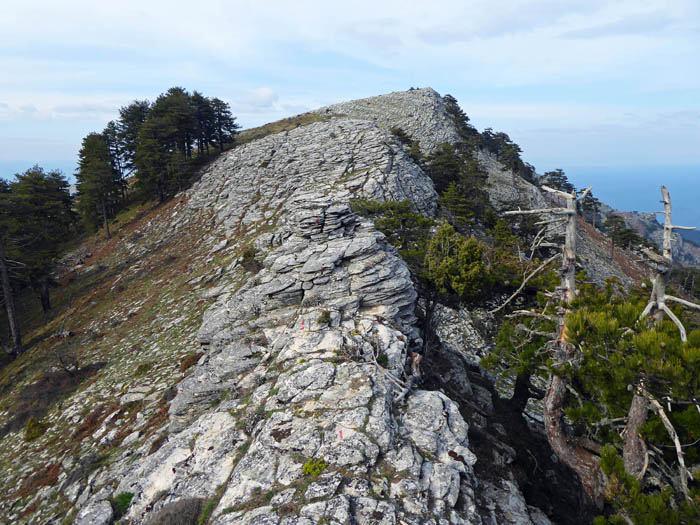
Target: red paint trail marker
(340, 432)
(302, 325)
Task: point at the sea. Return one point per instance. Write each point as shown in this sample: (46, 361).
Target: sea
(626, 188)
(638, 188)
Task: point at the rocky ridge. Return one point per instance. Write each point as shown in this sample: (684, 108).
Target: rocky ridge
(304, 359)
(295, 410)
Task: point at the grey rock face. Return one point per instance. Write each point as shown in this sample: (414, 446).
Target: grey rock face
(98, 513)
(290, 416)
(419, 112)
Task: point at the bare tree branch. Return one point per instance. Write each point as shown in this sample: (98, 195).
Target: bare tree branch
(684, 474)
(525, 281)
(682, 301)
(677, 321)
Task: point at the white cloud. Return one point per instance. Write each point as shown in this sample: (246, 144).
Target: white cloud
(529, 64)
(256, 99)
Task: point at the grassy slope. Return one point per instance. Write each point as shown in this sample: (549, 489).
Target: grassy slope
(132, 312)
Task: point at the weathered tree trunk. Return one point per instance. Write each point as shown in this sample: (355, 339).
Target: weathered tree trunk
(42, 290)
(634, 449)
(583, 462)
(662, 269)
(12, 317)
(580, 460)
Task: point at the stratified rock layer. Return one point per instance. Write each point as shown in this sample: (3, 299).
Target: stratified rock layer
(291, 414)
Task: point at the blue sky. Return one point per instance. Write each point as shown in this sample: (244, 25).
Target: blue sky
(594, 85)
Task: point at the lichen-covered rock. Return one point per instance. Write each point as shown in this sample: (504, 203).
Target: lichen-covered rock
(98, 513)
(291, 415)
(418, 112)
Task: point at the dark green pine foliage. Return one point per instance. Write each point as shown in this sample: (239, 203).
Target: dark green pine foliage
(411, 147)
(617, 230)
(590, 209)
(405, 229)
(507, 152)
(43, 209)
(455, 264)
(205, 122)
(131, 118)
(99, 183)
(617, 352)
(8, 243)
(460, 182)
(469, 136)
(225, 127)
(175, 138)
(558, 180)
(164, 146)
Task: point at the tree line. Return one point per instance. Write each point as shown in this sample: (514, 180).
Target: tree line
(150, 152)
(160, 143)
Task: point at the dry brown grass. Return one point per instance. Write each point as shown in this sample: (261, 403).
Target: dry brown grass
(190, 360)
(92, 422)
(44, 476)
(35, 399)
(286, 124)
(625, 259)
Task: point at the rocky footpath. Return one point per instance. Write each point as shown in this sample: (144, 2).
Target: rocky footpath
(296, 411)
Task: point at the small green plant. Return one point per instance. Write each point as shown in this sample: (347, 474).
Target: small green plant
(120, 503)
(248, 260)
(34, 429)
(383, 360)
(325, 317)
(143, 368)
(209, 507)
(314, 467)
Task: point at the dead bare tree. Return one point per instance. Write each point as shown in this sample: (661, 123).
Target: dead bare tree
(661, 267)
(580, 459)
(635, 453)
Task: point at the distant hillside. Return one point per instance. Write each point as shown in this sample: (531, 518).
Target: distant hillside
(692, 236)
(686, 244)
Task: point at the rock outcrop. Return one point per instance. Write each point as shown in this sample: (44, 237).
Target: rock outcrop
(290, 416)
(286, 401)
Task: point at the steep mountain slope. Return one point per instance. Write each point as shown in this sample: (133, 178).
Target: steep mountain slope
(255, 338)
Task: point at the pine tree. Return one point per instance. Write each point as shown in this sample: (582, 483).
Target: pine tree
(8, 230)
(42, 207)
(456, 206)
(224, 123)
(205, 122)
(131, 118)
(455, 264)
(444, 166)
(98, 182)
